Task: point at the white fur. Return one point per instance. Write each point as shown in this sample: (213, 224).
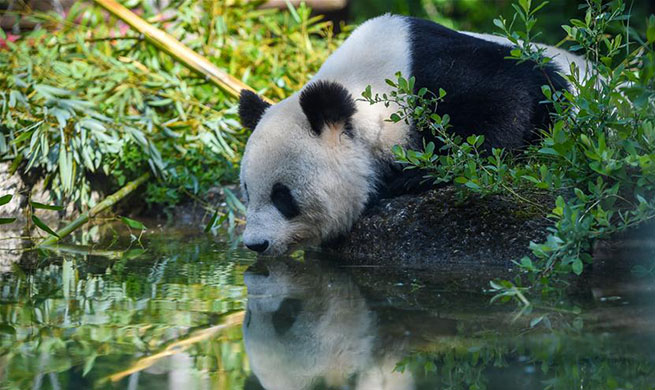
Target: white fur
(333, 338)
(331, 180)
(381, 49)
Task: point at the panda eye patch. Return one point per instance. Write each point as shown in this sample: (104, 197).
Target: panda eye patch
(283, 200)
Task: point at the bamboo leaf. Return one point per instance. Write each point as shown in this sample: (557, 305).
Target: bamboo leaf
(88, 365)
(5, 221)
(42, 206)
(210, 225)
(41, 225)
(5, 199)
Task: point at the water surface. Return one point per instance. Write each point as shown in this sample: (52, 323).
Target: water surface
(185, 311)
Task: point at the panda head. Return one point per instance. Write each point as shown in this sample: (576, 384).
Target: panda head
(306, 172)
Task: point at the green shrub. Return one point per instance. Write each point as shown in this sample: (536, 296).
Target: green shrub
(597, 158)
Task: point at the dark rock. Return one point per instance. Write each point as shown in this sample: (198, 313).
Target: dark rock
(435, 228)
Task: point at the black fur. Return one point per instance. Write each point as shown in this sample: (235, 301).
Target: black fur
(252, 383)
(486, 94)
(251, 108)
(283, 200)
(286, 315)
(326, 102)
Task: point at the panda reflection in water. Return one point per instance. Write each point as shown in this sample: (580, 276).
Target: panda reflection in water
(315, 159)
(309, 326)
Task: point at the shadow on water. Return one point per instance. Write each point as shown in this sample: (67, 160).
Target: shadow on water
(186, 312)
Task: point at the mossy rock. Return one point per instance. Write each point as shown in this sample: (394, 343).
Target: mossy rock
(436, 229)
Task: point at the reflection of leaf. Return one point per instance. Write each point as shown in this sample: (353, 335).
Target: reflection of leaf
(88, 365)
(232, 200)
(5, 199)
(210, 225)
(7, 329)
(133, 224)
(43, 226)
(133, 253)
(4, 221)
(535, 321)
(42, 206)
(213, 222)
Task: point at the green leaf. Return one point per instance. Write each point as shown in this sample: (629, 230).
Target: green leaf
(472, 185)
(391, 83)
(293, 12)
(577, 266)
(429, 148)
(550, 151)
(545, 89)
(133, 223)
(88, 365)
(367, 93)
(525, 4)
(650, 31)
(41, 225)
(42, 206)
(5, 221)
(540, 6)
(5, 199)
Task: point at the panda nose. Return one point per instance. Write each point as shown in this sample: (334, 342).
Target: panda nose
(259, 247)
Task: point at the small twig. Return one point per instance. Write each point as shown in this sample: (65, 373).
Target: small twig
(92, 40)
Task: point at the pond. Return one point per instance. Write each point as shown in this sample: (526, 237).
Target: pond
(183, 310)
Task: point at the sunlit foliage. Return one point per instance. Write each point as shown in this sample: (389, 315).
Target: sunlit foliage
(83, 99)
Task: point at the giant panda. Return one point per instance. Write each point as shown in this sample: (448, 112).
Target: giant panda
(315, 159)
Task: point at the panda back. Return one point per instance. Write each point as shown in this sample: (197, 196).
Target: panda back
(487, 94)
(374, 52)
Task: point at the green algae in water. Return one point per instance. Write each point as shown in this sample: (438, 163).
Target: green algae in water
(187, 312)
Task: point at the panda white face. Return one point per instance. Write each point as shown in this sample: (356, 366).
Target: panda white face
(304, 173)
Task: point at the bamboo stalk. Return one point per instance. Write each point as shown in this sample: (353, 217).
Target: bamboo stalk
(176, 49)
(106, 203)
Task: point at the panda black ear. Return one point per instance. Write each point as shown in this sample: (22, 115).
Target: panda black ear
(326, 103)
(251, 108)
